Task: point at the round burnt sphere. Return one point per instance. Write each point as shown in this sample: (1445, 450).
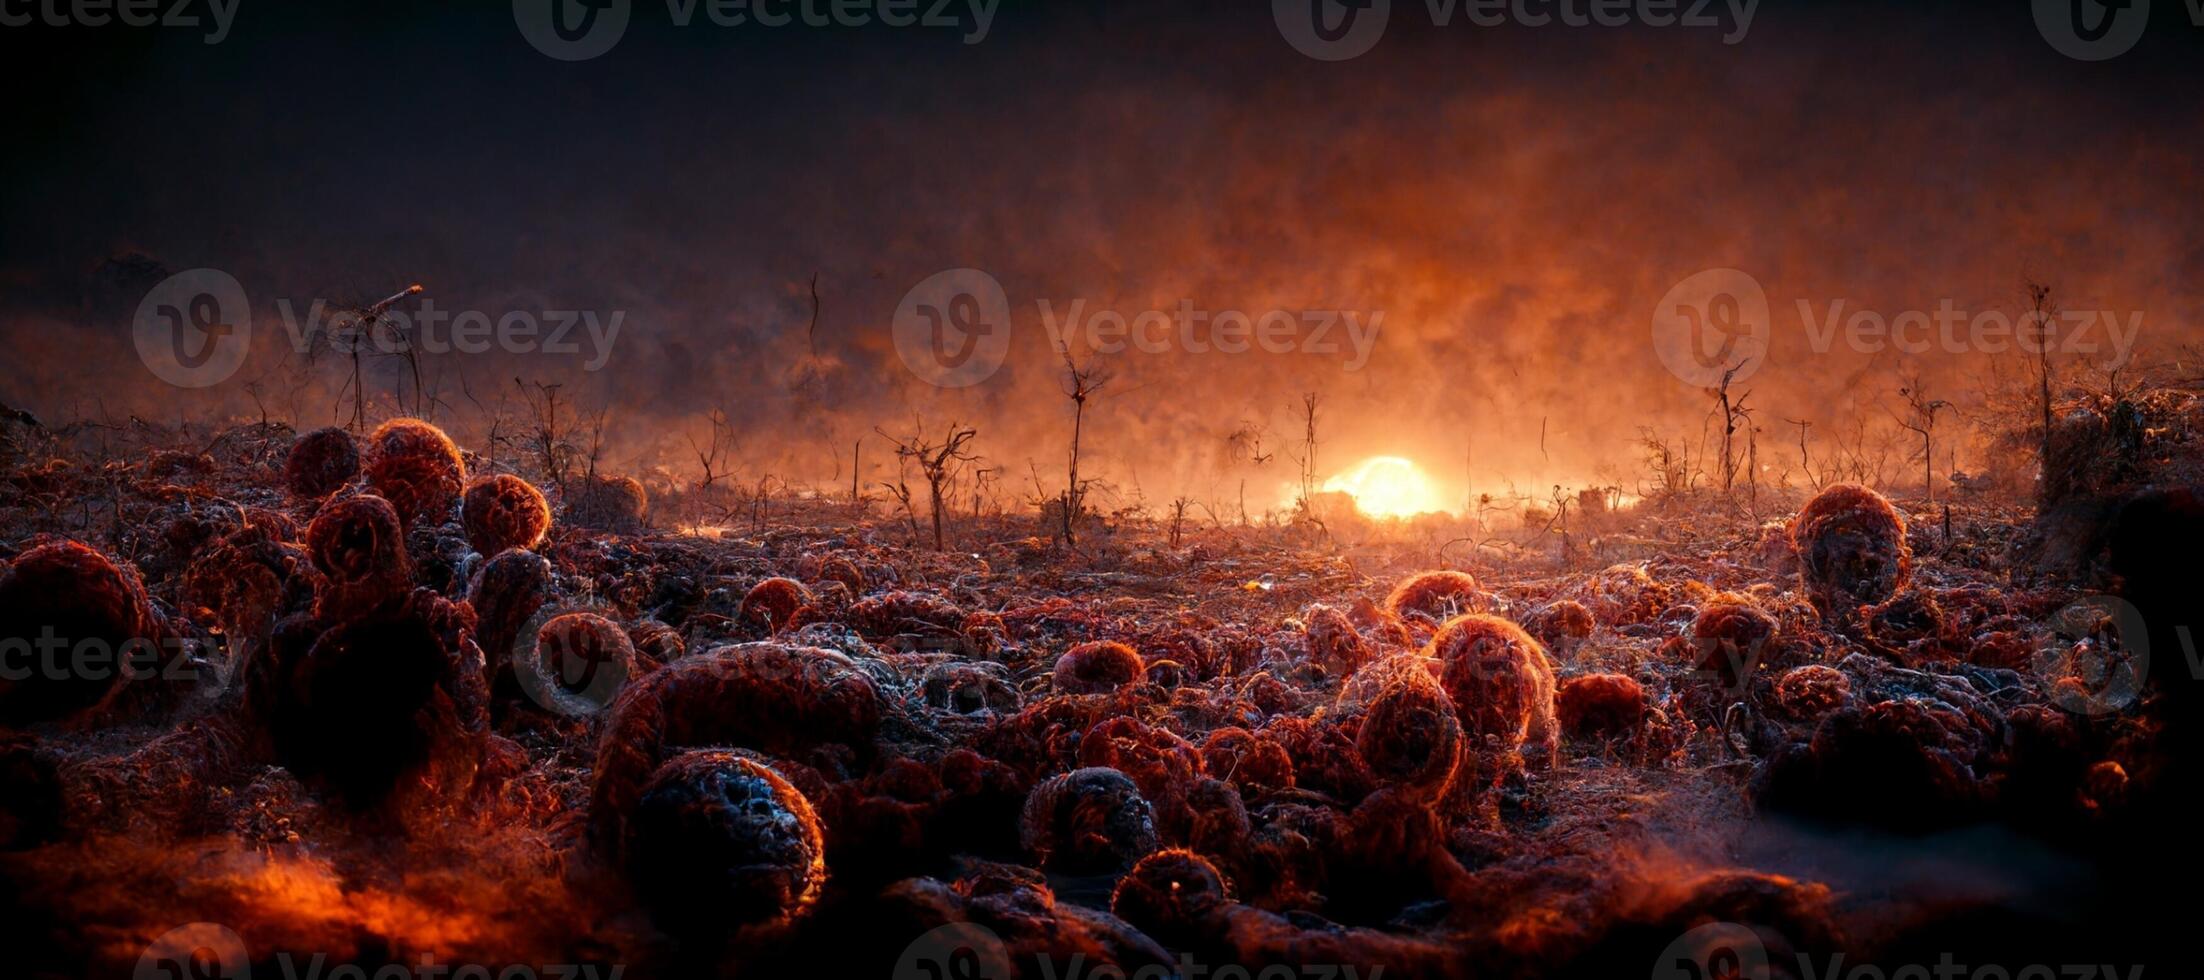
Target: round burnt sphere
(321, 463)
(579, 663)
(69, 618)
(416, 467)
(772, 603)
(1411, 736)
(1097, 668)
(1852, 550)
(1439, 595)
(1171, 895)
(503, 511)
(720, 839)
(359, 712)
(1088, 821)
(359, 547)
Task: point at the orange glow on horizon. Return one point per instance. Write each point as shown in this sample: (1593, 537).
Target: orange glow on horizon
(1388, 486)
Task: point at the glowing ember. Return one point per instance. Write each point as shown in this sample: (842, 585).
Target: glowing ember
(1388, 486)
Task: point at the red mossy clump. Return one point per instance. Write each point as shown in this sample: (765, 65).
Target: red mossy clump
(2002, 649)
(998, 921)
(772, 603)
(656, 644)
(1195, 647)
(1809, 692)
(1561, 625)
(983, 634)
(601, 503)
(1181, 898)
(1096, 667)
(772, 697)
(1161, 763)
(415, 466)
(1907, 764)
(1730, 638)
(835, 568)
(505, 593)
(503, 511)
(718, 839)
(1852, 550)
(1333, 641)
(1600, 706)
(1251, 761)
(1502, 684)
(1088, 821)
(579, 663)
(1043, 737)
(389, 707)
(967, 688)
(1366, 684)
(320, 463)
(894, 613)
(1905, 619)
(70, 622)
(1623, 595)
(358, 545)
(1170, 675)
(1217, 820)
(1411, 738)
(1436, 595)
(1172, 895)
(32, 809)
(245, 582)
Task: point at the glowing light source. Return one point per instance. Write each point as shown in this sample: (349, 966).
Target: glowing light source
(1387, 486)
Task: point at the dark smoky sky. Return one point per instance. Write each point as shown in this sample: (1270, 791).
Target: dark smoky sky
(1515, 200)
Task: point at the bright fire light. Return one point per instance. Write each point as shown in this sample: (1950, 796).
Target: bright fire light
(1388, 486)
